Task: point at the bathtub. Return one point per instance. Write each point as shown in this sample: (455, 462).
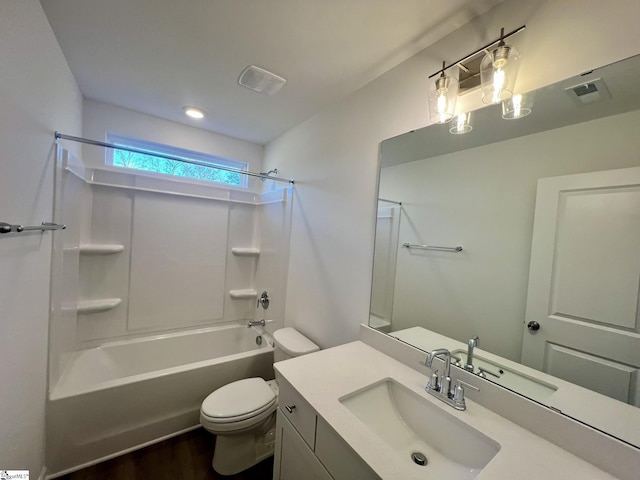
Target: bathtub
(128, 394)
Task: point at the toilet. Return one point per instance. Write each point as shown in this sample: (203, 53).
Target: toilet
(243, 413)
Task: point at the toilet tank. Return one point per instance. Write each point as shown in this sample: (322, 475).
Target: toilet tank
(290, 343)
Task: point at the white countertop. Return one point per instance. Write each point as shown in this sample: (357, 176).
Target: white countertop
(322, 378)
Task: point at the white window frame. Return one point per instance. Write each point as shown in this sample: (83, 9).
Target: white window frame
(153, 147)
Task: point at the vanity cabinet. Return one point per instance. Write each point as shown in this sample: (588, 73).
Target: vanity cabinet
(298, 411)
(294, 459)
(307, 447)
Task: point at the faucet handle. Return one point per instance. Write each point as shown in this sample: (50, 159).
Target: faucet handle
(434, 382)
(459, 383)
(458, 390)
(458, 394)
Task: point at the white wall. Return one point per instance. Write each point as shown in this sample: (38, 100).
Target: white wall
(100, 118)
(38, 95)
(334, 155)
(460, 197)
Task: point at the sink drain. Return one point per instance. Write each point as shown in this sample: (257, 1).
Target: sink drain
(419, 459)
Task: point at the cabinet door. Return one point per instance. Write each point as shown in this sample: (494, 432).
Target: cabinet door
(338, 457)
(294, 460)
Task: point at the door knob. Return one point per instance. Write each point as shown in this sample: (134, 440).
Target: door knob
(533, 325)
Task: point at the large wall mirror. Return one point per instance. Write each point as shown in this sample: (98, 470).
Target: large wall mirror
(546, 210)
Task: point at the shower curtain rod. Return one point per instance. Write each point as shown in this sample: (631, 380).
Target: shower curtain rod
(62, 136)
(389, 201)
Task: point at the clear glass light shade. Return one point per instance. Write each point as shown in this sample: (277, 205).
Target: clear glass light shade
(461, 123)
(443, 93)
(517, 106)
(498, 72)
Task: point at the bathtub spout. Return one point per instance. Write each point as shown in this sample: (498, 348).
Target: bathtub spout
(256, 323)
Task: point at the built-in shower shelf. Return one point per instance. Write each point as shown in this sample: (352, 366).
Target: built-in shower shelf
(242, 294)
(99, 305)
(245, 252)
(150, 182)
(101, 248)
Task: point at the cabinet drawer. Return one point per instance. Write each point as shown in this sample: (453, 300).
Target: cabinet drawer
(297, 411)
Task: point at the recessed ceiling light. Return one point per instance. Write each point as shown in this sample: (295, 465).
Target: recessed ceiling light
(193, 112)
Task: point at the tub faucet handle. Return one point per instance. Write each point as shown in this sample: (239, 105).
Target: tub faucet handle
(263, 300)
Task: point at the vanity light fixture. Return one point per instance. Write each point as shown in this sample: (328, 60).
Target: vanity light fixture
(517, 106)
(442, 97)
(193, 112)
(461, 124)
(498, 72)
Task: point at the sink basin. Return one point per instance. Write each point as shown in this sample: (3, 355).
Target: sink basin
(409, 423)
(518, 382)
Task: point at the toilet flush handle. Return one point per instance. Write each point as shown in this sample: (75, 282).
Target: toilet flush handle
(290, 408)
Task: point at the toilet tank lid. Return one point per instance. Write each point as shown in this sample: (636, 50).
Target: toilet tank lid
(292, 342)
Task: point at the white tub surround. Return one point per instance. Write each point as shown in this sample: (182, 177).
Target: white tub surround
(150, 254)
(124, 395)
(325, 378)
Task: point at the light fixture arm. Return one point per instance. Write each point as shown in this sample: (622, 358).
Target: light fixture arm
(500, 42)
(441, 82)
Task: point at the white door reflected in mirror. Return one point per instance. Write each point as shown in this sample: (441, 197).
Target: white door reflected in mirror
(583, 282)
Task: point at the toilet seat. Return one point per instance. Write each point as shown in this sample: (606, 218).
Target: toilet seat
(238, 405)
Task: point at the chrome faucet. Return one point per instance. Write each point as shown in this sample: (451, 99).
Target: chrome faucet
(471, 345)
(440, 386)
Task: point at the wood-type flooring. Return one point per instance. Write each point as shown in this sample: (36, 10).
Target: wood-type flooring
(185, 457)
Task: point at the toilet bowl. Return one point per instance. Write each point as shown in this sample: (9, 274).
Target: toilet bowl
(242, 413)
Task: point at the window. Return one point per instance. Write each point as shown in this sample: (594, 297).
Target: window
(177, 168)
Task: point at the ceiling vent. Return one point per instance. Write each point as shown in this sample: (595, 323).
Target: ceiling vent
(589, 92)
(260, 80)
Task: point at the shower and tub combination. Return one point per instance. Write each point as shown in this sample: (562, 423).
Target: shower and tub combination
(154, 283)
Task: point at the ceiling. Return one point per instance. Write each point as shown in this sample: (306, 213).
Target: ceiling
(156, 56)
